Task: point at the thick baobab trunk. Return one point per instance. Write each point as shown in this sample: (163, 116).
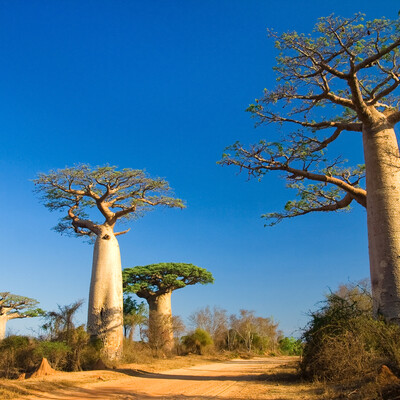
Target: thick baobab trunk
(160, 322)
(3, 323)
(105, 314)
(383, 215)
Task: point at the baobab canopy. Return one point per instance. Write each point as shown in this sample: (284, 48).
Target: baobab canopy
(118, 195)
(13, 306)
(160, 278)
(155, 283)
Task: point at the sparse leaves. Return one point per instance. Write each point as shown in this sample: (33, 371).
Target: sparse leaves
(337, 79)
(118, 195)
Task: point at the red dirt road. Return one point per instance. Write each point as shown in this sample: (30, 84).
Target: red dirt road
(259, 378)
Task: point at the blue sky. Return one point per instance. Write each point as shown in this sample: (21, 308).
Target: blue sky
(162, 86)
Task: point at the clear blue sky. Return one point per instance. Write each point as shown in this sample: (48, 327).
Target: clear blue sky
(163, 85)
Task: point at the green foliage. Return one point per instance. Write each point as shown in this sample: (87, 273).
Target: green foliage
(16, 356)
(55, 352)
(21, 354)
(160, 278)
(118, 195)
(135, 314)
(291, 346)
(16, 306)
(197, 341)
(61, 329)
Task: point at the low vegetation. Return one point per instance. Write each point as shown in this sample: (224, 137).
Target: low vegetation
(345, 346)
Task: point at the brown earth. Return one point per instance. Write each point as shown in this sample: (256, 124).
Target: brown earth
(271, 378)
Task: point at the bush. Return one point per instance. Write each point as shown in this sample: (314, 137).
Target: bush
(197, 341)
(343, 342)
(137, 352)
(19, 354)
(16, 356)
(55, 352)
(291, 346)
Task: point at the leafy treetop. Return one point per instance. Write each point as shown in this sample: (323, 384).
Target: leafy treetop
(340, 78)
(118, 195)
(156, 279)
(14, 306)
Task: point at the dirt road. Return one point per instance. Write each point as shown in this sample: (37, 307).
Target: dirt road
(260, 378)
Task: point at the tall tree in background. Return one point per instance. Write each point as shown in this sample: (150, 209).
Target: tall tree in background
(340, 80)
(117, 195)
(135, 314)
(13, 306)
(155, 283)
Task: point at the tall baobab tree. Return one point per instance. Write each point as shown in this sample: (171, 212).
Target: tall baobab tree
(155, 283)
(340, 80)
(13, 306)
(117, 195)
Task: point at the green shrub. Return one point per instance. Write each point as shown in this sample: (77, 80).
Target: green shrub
(291, 346)
(55, 352)
(16, 355)
(197, 341)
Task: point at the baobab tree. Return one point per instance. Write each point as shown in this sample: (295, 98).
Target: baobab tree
(155, 283)
(13, 306)
(117, 195)
(340, 80)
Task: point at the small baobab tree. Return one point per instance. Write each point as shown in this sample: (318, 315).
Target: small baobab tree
(13, 306)
(117, 195)
(155, 283)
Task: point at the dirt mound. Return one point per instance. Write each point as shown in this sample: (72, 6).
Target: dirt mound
(387, 377)
(44, 369)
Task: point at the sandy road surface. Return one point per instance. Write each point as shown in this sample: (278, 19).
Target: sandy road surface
(259, 378)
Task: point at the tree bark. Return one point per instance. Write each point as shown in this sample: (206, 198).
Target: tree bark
(131, 332)
(105, 314)
(3, 323)
(160, 322)
(382, 163)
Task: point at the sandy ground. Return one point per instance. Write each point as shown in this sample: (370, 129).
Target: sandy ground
(259, 378)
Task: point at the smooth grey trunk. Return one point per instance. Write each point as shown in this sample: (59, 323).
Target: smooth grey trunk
(3, 323)
(382, 163)
(160, 322)
(131, 332)
(105, 314)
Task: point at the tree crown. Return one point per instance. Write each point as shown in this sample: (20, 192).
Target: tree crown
(342, 77)
(157, 279)
(15, 306)
(118, 195)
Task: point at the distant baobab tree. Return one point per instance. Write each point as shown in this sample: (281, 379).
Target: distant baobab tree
(117, 195)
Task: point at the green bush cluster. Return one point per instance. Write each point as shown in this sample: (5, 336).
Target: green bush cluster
(22, 354)
(291, 346)
(197, 341)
